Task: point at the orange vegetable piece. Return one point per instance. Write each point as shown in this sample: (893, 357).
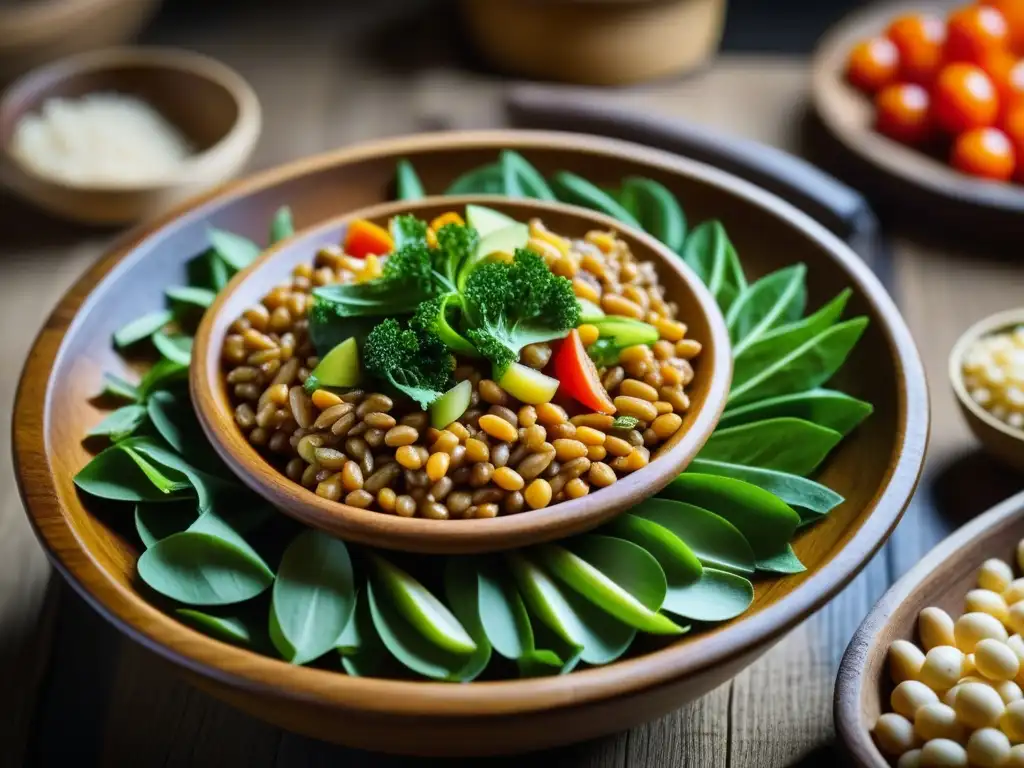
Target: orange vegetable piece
(446, 218)
(577, 375)
(364, 237)
(902, 113)
(872, 64)
(984, 152)
(1007, 73)
(973, 31)
(1013, 13)
(964, 97)
(919, 40)
(1013, 127)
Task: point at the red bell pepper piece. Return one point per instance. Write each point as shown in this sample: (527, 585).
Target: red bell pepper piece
(364, 237)
(577, 375)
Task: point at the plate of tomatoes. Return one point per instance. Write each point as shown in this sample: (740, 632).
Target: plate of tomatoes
(932, 93)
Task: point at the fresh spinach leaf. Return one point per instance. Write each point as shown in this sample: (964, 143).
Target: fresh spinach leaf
(783, 561)
(656, 209)
(362, 651)
(228, 628)
(773, 300)
(530, 178)
(503, 613)
(118, 388)
(115, 474)
(510, 183)
(407, 182)
(175, 347)
(792, 489)
(824, 407)
(190, 295)
(142, 328)
(704, 252)
(806, 367)
(158, 521)
(714, 540)
(461, 591)
(715, 596)
(165, 373)
(120, 424)
(237, 251)
(785, 444)
(677, 560)
(281, 226)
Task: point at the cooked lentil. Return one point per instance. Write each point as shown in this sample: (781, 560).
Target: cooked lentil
(501, 456)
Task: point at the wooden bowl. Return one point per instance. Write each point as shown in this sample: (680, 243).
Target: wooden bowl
(849, 115)
(876, 467)
(595, 42)
(1000, 439)
(942, 578)
(713, 377)
(36, 33)
(210, 103)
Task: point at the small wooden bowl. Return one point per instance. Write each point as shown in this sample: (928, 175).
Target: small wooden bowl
(211, 104)
(36, 33)
(876, 468)
(1000, 439)
(942, 578)
(596, 42)
(708, 391)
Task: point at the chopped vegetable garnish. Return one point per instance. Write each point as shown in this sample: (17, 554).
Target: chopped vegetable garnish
(364, 237)
(578, 376)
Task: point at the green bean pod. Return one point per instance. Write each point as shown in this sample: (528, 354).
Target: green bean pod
(657, 210)
(486, 179)
(511, 186)
(574, 189)
(531, 180)
(407, 182)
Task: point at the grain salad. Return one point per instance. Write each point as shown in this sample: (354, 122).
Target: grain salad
(993, 370)
(509, 446)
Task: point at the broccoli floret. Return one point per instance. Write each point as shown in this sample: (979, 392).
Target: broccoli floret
(408, 229)
(440, 316)
(511, 305)
(456, 244)
(416, 363)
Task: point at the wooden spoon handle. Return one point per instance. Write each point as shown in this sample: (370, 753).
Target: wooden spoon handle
(825, 198)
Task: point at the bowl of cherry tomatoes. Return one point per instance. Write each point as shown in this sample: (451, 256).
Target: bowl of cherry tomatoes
(933, 95)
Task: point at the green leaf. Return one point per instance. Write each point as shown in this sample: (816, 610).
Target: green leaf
(734, 282)
(120, 424)
(116, 387)
(142, 328)
(201, 569)
(485, 180)
(824, 407)
(164, 374)
(154, 522)
(714, 540)
(503, 613)
(237, 251)
(208, 270)
(424, 611)
(159, 479)
(657, 210)
(114, 474)
(313, 596)
(227, 628)
(676, 559)
(783, 561)
(773, 300)
(175, 420)
(175, 347)
(407, 183)
(404, 640)
(570, 188)
(616, 575)
(510, 184)
(186, 294)
(715, 596)
(625, 422)
(281, 226)
(530, 178)
(806, 367)
(795, 491)
(704, 252)
(600, 637)
(362, 651)
(779, 342)
(788, 445)
(766, 521)
(462, 592)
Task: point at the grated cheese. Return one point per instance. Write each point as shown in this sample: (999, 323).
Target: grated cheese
(100, 139)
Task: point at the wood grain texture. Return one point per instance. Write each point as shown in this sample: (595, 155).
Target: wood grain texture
(328, 93)
(216, 411)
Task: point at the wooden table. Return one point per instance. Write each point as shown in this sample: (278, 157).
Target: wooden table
(70, 686)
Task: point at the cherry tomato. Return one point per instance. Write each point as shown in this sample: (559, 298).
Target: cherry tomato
(1013, 126)
(873, 64)
(1013, 13)
(1007, 73)
(964, 97)
(919, 39)
(973, 31)
(901, 113)
(984, 152)
(577, 375)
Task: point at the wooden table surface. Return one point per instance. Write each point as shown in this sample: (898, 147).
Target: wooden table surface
(71, 687)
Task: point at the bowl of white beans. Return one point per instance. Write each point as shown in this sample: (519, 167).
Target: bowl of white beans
(986, 371)
(933, 676)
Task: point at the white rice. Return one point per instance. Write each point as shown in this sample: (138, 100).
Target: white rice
(100, 139)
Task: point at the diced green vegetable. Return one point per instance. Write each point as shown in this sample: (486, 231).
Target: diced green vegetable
(589, 311)
(625, 331)
(451, 405)
(528, 384)
(338, 368)
(505, 240)
(487, 220)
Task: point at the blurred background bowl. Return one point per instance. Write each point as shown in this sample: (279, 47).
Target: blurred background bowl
(595, 42)
(215, 109)
(36, 33)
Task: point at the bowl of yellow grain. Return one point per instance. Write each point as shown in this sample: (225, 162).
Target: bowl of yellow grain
(986, 370)
(119, 135)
